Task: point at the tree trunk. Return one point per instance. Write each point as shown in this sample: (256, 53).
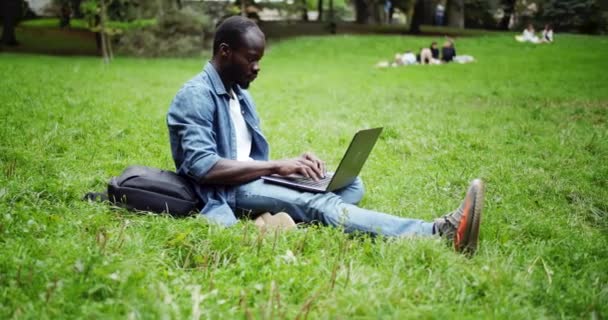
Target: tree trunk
(75, 6)
(11, 12)
(508, 7)
(332, 22)
(104, 37)
(429, 12)
(362, 15)
(320, 10)
(417, 17)
(377, 13)
(456, 13)
(304, 11)
(161, 10)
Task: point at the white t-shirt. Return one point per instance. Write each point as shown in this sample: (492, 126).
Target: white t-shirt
(241, 131)
(530, 36)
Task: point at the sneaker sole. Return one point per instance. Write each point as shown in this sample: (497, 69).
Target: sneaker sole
(279, 220)
(470, 235)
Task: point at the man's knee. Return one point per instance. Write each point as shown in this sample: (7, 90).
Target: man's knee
(353, 193)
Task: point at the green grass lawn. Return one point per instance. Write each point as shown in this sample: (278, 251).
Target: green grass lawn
(530, 120)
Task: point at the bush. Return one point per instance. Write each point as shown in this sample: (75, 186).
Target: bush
(479, 14)
(575, 15)
(177, 33)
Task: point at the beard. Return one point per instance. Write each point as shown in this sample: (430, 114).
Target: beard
(238, 75)
(244, 84)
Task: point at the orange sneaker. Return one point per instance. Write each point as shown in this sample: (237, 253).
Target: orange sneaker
(462, 225)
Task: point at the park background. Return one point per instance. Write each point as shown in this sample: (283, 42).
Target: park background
(84, 90)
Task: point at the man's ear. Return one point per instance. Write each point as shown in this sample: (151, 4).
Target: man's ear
(225, 50)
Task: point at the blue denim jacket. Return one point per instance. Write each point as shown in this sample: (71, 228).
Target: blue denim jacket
(201, 133)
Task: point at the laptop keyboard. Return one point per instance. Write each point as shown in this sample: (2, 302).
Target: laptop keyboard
(309, 182)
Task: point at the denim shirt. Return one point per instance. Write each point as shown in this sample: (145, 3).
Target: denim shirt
(201, 133)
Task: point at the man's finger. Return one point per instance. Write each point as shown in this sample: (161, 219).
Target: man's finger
(314, 166)
(323, 169)
(311, 156)
(303, 170)
(320, 164)
(314, 175)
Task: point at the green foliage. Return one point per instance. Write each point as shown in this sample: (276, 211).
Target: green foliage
(90, 11)
(116, 10)
(575, 15)
(82, 24)
(177, 33)
(479, 14)
(122, 10)
(531, 120)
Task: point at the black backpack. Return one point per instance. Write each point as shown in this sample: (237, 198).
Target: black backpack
(143, 188)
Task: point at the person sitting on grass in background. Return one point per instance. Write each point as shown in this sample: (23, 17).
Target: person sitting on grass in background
(528, 35)
(448, 51)
(435, 50)
(547, 35)
(448, 54)
(217, 143)
(429, 55)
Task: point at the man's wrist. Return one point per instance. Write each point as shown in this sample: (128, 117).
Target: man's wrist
(272, 166)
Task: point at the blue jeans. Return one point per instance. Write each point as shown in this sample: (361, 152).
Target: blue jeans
(332, 208)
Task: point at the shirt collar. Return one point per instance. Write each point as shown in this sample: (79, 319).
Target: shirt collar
(216, 81)
(218, 85)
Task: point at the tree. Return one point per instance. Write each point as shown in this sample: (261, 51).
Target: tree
(320, 10)
(11, 13)
(364, 9)
(96, 12)
(417, 16)
(480, 13)
(304, 10)
(455, 12)
(508, 8)
(361, 12)
(580, 15)
(428, 16)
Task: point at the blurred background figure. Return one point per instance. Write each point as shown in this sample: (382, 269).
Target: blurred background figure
(439, 13)
(547, 35)
(448, 51)
(66, 15)
(528, 35)
(429, 55)
(389, 10)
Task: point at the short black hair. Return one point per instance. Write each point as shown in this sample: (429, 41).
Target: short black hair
(230, 31)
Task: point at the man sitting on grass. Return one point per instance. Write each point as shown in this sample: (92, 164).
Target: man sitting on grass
(216, 141)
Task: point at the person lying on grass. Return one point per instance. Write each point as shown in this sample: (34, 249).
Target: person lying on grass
(217, 142)
(428, 56)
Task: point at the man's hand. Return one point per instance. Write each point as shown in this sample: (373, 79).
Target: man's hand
(308, 165)
(319, 164)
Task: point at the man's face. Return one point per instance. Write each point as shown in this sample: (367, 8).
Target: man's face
(244, 61)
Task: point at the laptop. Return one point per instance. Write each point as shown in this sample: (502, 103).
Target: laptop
(359, 149)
